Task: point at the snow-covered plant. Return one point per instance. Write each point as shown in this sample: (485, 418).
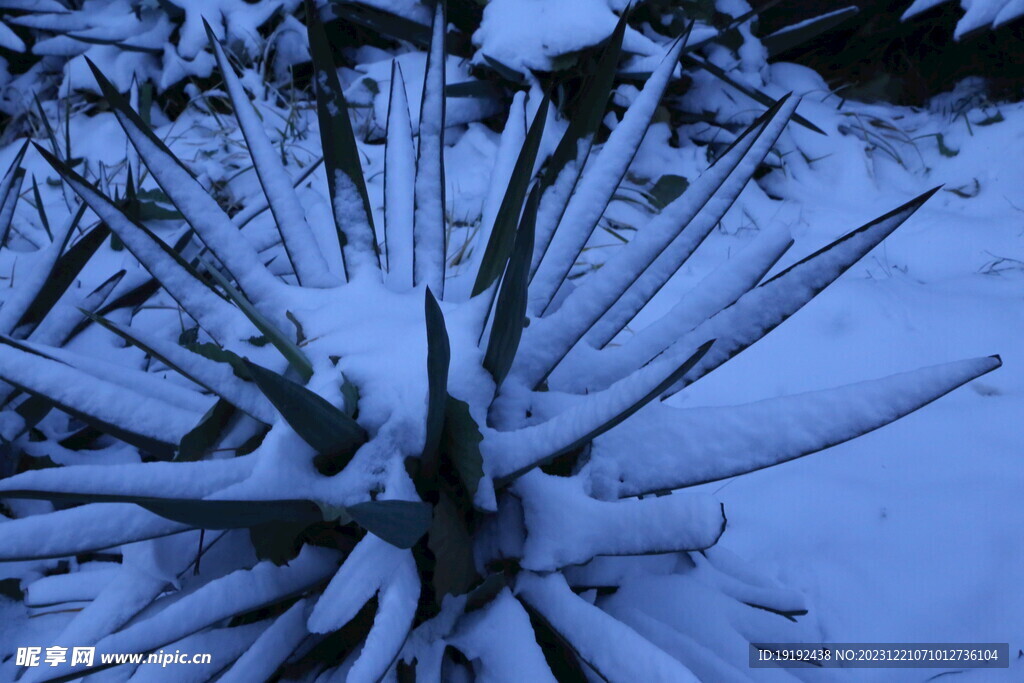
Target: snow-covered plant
(156, 43)
(377, 468)
(978, 14)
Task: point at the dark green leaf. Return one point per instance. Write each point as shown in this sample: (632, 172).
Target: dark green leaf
(43, 220)
(482, 595)
(499, 246)
(292, 353)
(333, 434)
(484, 90)
(204, 349)
(750, 92)
(452, 546)
(193, 446)
(793, 36)
(438, 358)
(382, 22)
(399, 522)
(460, 443)
(65, 270)
(667, 189)
(510, 309)
(341, 155)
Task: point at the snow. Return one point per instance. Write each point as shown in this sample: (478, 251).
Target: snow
(240, 591)
(399, 184)
(697, 445)
(80, 529)
(597, 185)
(612, 648)
(565, 526)
(532, 34)
(271, 648)
(303, 252)
(430, 238)
(861, 538)
(501, 639)
(152, 479)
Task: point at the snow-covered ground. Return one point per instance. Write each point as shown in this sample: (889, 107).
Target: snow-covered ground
(911, 533)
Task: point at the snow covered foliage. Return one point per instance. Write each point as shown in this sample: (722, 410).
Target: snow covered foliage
(978, 14)
(380, 462)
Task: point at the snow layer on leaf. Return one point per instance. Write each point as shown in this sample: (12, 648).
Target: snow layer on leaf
(399, 598)
(566, 526)
(238, 592)
(429, 231)
(529, 34)
(512, 138)
(214, 314)
(83, 585)
(113, 404)
(272, 648)
(17, 301)
(151, 479)
(80, 529)
(598, 184)
(501, 638)
(224, 644)
(615, 650)
(683, 447)
(510, 452)
(216, 377)
(368, 567)
(586, 369)
(309, 264)
(399, 184)
(604, 304)
(765, 307)
(144, 383)
(204, 214)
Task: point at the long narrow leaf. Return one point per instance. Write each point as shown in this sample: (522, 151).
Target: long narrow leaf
(188, 288)
(570, 156)
(82, 529)
(353, 217)
(299, 243)
(399, 185)
(503, 233)
(64, 269)
(10, 187)
(429, 230)
(635, 273)
(510, 309)
(516, 452)
(598, 185)
(438, 359)
(152, 425)
(289, 349)
(217, 378)
(733, 440)
(332, 434)
(762, 309)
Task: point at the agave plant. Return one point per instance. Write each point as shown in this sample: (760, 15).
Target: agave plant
(376, 467)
